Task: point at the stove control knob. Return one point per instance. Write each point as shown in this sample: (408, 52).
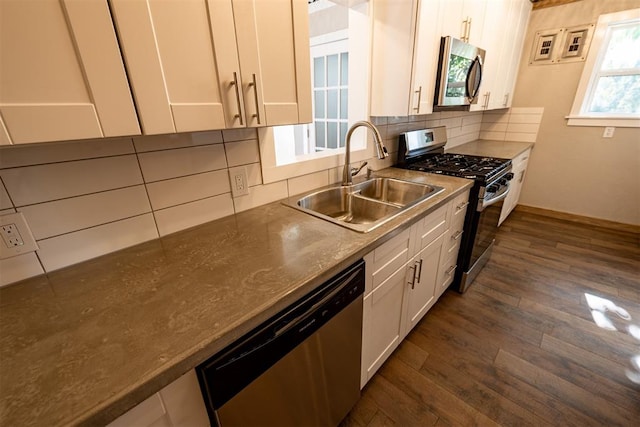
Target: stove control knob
(508, 176)
(492, 188)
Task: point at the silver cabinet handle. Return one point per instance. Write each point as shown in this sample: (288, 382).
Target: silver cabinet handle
(521, 176)
(468, 35)
(255, 93)
(419, 92)
(235, 83)
(464, 30)
(450, 270)
(419, 270)
(413, 277)
(457, 235)
(506, 100)
(461, 206)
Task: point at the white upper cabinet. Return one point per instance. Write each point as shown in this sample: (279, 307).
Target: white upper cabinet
(463, 19)
(404, 57)
(215, 64)
(61, 73)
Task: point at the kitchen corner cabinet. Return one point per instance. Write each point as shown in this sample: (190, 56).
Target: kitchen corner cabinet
(519, 170)
(61, 73)
(404, 278)
(214, 64)
(178, 404)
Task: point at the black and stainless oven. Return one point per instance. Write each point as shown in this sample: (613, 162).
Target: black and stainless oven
(423, 150)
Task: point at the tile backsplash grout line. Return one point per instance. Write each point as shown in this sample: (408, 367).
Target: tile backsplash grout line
(146, 189)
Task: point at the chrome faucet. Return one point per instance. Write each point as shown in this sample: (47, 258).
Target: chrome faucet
(381, 151)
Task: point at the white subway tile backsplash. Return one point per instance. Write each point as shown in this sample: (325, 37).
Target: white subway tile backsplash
(186, 189)
(43, 183)
(242, 152)
(19, 268)
(523, 127)
(5, 201)
(188, 215)
(254, 173)
(71, 248)
(179, 140)
(492, 136)
(525, 118)
(157, 165)
(495, 117)
(520, 137)
(304, 183)
(29, 155)
(76, 213)
(494, 126)
(7, 211)
(261, 195)
(239, 134)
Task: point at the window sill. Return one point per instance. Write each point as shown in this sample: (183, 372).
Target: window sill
(621, 122)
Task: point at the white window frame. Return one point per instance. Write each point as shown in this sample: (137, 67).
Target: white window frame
(588, 80)
(359, 63)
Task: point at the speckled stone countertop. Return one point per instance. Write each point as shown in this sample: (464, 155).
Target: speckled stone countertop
(84, 344)
(501, 149)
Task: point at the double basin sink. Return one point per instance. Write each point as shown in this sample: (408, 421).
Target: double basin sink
(366, 205)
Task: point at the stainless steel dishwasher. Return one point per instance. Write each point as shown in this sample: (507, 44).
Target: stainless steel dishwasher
(299, 368)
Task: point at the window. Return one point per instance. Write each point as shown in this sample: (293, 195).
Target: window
(330, 95)
(609, 89)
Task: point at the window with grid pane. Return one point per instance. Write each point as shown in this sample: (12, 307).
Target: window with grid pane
(330, 95)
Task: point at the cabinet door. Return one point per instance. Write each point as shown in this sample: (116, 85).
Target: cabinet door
(495, 36)
(382, 323)
(425, 60)
(519, 171)
(519, 19)
(463, 19)
(61, 73)
(273, 47)
(169, 50)
(421, 283)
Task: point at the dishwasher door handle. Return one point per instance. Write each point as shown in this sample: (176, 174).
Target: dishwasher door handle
(300, 319)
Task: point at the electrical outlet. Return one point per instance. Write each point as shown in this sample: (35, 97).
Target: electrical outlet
(608, 132)
(239, 181)
(11, 236)
(16, 236)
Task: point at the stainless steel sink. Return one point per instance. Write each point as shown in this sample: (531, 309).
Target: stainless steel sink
(366, 205)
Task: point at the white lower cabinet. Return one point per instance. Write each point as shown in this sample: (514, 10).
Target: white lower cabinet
(519, 170)
(178, 404)
(404, 278)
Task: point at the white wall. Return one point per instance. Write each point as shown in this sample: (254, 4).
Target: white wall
(574, 169)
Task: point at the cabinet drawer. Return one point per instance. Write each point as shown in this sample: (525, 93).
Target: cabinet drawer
(388, 258)
(431, 227)
(445, 274)
(459, 207)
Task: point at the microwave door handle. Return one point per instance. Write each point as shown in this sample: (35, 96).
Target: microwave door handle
(474, 75)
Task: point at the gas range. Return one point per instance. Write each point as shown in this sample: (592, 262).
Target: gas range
(461, 165)
(423, 150)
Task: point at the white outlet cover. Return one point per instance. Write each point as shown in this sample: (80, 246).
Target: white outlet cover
(239, 173)
(29, 245)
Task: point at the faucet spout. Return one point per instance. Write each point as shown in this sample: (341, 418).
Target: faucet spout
(381, 150)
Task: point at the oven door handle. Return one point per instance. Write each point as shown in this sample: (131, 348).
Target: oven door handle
(482, 204)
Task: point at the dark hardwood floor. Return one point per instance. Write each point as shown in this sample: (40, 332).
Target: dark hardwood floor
(521, 347)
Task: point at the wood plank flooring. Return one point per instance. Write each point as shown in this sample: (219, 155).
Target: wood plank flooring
(521, 347)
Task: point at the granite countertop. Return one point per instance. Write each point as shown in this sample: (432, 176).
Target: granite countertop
(489, 148)
(84, 344)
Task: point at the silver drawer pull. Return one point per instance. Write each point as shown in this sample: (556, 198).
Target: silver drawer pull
(419, 270)
(255, 93)
(450, 270)
(457, 235)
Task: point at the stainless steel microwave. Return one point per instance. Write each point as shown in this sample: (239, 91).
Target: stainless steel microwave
(459, 75)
